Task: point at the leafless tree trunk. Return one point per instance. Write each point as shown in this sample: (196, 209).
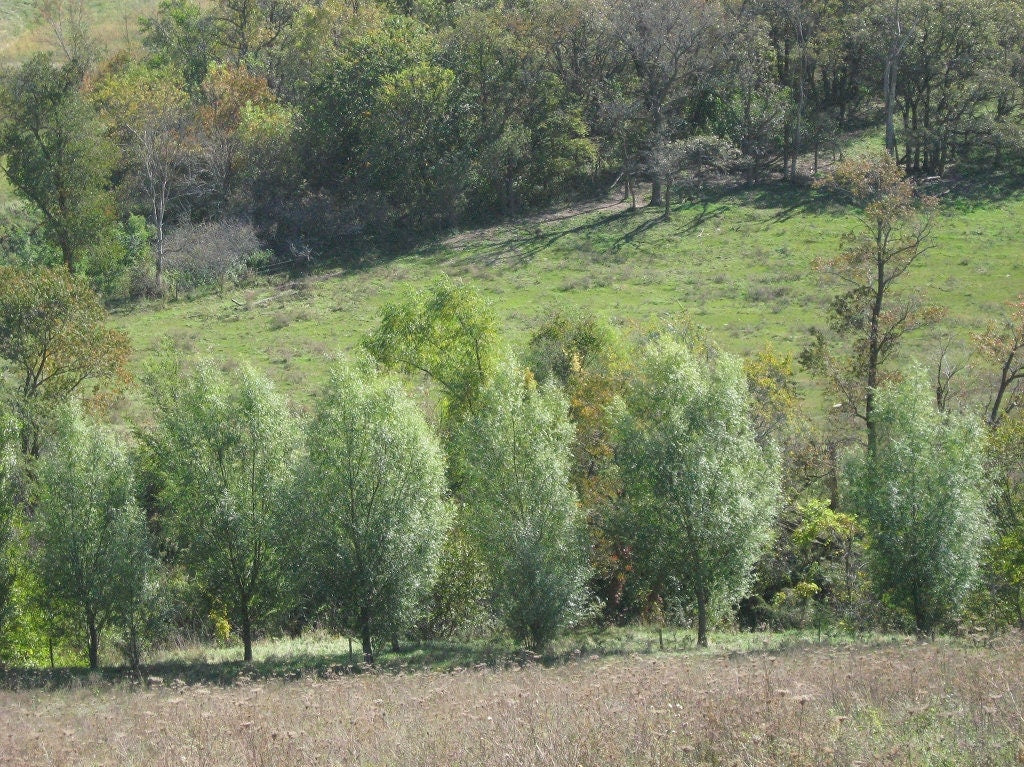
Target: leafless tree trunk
(892, 64)
(168, 171)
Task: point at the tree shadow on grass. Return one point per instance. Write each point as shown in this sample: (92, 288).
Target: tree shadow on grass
(522, 246)
(973, 190)
(964, 191)
(434, 656)
(437, 656)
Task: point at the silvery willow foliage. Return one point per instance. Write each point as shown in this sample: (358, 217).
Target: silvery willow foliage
(371, 498)
(522, 513)
(701, 493)
(224, 449)
(89, 539)
(922, 494)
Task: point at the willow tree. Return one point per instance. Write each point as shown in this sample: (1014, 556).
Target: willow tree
(90, 543)
(223, 449)
(922, 493)
(514, 465)
(8, 453)
(702, 493)
(371, 499)
(446, 332)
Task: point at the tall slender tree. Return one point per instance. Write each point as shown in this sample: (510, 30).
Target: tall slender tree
(370, 494)
(872, 316)
(922, 491)
(224, 448)
(91, 549)
(702, 493)
(523, 515)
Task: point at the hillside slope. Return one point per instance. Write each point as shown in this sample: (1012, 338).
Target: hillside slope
(113, 23)
(740, 264)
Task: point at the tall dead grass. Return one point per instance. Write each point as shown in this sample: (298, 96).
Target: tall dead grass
(915, 704)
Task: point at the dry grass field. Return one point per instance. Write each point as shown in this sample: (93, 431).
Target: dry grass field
(900, 704)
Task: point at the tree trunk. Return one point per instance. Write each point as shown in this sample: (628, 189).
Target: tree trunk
(874, 346)
(367, 640)
(68, 251)
(627, 173)
(395, 648)
(160, 261)
(702, 619)
(1006, 378)
(799, 128)
(159, 210)
(659, 139)
(94, 643)
(889, 87)
(247, 635)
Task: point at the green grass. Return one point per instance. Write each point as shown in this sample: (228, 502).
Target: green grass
(739, 264)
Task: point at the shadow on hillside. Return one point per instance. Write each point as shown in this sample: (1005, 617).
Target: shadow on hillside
(972, 191)
(519, 247)
(516, 244)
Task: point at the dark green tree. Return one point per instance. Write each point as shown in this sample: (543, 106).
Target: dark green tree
(58, 156)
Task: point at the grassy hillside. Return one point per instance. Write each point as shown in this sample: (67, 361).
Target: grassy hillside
(113, 23)
(739, 264)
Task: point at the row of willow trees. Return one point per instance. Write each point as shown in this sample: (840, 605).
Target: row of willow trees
(362, 517)
(441, 485)
(337, 125)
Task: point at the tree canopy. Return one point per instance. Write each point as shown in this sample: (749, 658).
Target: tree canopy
(223, 449)
(371, 494)
(701, 492)
(922, 493)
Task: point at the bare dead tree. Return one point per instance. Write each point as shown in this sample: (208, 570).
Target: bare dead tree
(949, 370)
(1003, 343)
(158, 133)
(68, 22)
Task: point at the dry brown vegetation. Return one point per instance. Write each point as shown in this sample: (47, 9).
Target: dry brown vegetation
(911, 704)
